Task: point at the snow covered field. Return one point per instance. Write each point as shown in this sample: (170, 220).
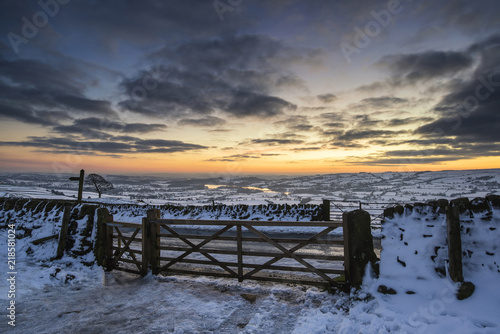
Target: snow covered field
(394, 187)
(67, 296)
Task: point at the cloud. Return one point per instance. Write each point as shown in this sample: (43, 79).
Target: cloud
(100, 128)
(411, 68)
(327, 98)
(437, 154)
(296, 123)
(239, 76)
(408, 121)
(273, 142)
(209, 121)
(127, 145)
(381, 102)
(235, 157)
(143, 128)
(38, 93)
(469, 112)
(363, 121)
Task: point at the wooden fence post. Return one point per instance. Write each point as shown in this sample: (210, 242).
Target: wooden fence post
(103, 248)
(325, 210)
(63, 234)
(108, 246)
(358, 246)
(239, 246)
(153, 232)
(454, 243)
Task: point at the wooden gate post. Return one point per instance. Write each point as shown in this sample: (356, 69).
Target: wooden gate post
(63, 234)
(151, 242)
(325, 210)
(454, 243)
(358, 246)
(103, 248)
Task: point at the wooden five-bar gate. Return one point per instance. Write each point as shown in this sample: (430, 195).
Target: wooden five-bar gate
(229, 248)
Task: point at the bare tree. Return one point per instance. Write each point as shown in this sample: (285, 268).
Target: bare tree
(100, 184)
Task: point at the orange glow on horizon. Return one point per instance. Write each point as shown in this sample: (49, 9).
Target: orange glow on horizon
(13, 160)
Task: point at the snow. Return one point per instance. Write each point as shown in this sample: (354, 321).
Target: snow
(51, 294)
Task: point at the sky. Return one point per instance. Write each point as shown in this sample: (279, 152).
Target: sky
(249, 87)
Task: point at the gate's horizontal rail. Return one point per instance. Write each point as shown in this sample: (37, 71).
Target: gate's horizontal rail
(255, 278)
(131, 250)
(250, 265)
(124, 224)
(131, 271)
(250, 239)
(252, 253)
(246, 222)
(123, 237)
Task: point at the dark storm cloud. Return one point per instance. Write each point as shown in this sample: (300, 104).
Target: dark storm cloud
(107, 23)
(99, 128)
(23, 113)
(120, 145)
(246, 103)
(327, 98)
(209, 121)
(410, 68)
(364, 121)
(143, 128)
(408, 121)
(41, 77)
(381, 102)
(334, 125)
(37, 93)
(296, 123)
(352, 135)
(237, 75)
(466, 16)
(235, 157)
(273, 142)
(469, 112)
(440, 153)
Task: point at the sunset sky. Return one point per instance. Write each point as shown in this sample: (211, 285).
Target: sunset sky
(241, 86)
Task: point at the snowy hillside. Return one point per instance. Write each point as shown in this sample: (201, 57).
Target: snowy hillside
(230, 190)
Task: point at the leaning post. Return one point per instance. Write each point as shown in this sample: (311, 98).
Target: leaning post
(80, 184)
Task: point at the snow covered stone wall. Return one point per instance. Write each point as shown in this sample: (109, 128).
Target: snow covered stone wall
(413, 264)
(414, 242)
(276, 212)
(37, 225)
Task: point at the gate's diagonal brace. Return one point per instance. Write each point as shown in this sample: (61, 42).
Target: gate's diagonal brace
(210, 257)
(120, 236)
(126, 245)
(292, 255)
(196, 247)
(304, 243)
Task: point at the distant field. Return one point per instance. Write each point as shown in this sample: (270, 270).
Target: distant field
(389, 187)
